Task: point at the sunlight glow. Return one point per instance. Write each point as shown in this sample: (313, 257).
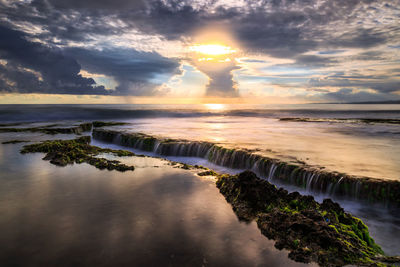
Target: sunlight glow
(212, 49)
(214, 106)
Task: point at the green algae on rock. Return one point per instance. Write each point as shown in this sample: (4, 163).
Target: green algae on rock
(83, 127)
(63, 152)
(322, 233)
(207, 173)
(303, 176)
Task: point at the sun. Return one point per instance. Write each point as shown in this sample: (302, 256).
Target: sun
(212, 49)
(214, 106)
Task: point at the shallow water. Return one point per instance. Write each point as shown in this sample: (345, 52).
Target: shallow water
(156, 215)
(362, 149)
(353, 149)
(384, 224)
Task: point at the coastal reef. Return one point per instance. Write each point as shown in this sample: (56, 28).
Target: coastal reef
(98, 124)
(274, 170)
(312, 232)
(50, 129)
(64, 152)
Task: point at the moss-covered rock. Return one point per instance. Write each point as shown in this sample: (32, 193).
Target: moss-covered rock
(323, 233)
(64, 152)
(207, 173)
(303, 176)
(84, 127)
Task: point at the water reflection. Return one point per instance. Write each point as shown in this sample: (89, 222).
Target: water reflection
(81, 216)
(354, 149)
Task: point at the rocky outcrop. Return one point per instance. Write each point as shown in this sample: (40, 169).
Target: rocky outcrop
(312, 232)
(98, 124)
(64, 152)
(306, 177)
(84, 127)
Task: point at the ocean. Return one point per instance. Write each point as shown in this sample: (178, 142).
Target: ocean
(359, 140)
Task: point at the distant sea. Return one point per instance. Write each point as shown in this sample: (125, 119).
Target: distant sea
(362, 140)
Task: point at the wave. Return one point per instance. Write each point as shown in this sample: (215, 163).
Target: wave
(344, 120)
(109, 112)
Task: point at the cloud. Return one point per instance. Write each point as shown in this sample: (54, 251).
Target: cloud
(221, 83)
(313, 61)
(33, 67)
(382, 84)
(346, 95)
(278, 28)
(315, 35)
(135, 72)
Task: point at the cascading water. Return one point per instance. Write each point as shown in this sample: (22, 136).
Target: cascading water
(310, 179)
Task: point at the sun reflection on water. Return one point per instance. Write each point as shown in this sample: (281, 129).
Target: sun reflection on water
(214, 106)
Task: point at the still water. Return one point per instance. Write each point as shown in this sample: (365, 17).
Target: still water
(156, 215)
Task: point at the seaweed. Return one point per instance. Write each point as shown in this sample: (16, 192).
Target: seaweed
(207, 173)
(379, 190)
(64, 152)
(322, 233)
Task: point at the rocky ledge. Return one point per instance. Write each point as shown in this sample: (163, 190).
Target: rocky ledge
(312, 232)
(78, 129)
(64, 152)
(98, 124)
(374, 190)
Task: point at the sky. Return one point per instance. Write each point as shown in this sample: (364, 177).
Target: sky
(170, 51)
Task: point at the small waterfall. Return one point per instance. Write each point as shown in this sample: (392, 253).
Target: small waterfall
(309, 181)
(156, 146)
(313, 180)
(357, 189)
(335, 187)
(272, 172)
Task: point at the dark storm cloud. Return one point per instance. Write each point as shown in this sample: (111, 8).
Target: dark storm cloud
(99, 4)
(57, 73)
(383, 84)
(134, 71)
(363, 38)
(370, 55)
(279, 28)
(313, 61)
(346, 95)
(36, 68)
(221, 82)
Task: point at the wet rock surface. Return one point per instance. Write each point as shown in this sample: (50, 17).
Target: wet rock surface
(207, 173)
(312, 232)
(84, 127)
(306, 177)
(64, 152)
(14, 142)
(98, 124)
